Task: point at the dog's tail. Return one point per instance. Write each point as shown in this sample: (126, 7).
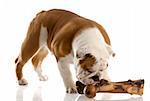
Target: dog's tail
(16, 60)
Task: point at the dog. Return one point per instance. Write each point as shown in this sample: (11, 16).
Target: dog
(72, 39)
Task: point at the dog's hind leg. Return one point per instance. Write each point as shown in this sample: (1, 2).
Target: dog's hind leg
(37, 61)
(29, 47)
(27, 51)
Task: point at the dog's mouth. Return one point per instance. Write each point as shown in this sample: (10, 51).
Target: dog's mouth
(95, 78)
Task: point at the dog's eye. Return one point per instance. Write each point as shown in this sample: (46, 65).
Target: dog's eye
(100, 70)
(89, 71)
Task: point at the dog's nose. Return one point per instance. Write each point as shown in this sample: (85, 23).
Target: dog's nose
(95, 78)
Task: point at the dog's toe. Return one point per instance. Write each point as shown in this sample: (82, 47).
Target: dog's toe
(71, 90)
(43, 78)
(22, 82)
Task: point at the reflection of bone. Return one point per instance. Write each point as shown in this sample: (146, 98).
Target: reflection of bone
(84, 98)
(131, 87)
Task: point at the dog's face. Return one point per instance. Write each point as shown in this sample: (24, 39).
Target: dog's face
(90, 68)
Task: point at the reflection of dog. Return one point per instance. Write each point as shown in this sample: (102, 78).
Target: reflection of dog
(72, 39)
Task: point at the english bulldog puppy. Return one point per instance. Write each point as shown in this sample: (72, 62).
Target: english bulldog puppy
(73, 40)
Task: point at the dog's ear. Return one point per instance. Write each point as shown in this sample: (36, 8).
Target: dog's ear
(110, 51)
(87, 61)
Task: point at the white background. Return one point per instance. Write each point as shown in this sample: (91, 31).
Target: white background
(126, 21)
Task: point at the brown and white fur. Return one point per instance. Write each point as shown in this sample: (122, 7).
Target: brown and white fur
(73, 40)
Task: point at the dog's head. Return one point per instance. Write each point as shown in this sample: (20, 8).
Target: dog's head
(89, 68)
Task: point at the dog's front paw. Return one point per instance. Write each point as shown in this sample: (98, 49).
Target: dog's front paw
(71, 90)
(43, 78)
(23, 82)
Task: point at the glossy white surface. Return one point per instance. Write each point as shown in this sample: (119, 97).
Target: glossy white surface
(39, 92)
(126, 21)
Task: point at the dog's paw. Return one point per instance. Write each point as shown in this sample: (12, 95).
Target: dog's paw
(22, 82)
(43, 78)
(71, 90)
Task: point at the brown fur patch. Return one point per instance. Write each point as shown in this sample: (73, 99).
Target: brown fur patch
(87, 62)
